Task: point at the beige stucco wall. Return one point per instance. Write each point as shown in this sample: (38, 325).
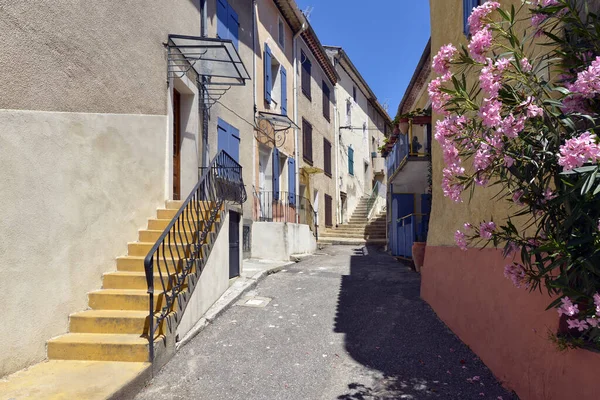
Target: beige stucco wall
(312, 111)
(447, 216)
(358, 184)
(77, 187)
(99, 56)
(237, 108)
(267, 32)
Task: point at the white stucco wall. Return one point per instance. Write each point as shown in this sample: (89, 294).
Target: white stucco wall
(279, 240)
(76, 188)
(213, 281)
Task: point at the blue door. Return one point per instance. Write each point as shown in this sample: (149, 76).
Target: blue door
(401, 233)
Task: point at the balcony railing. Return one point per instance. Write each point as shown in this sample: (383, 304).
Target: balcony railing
(280, 206)
(398, 156)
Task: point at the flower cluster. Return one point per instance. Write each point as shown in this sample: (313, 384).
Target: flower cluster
(577, 151)
(479, 14)
(516, 273)
(441, 62)
(571, 310)
(587, 83)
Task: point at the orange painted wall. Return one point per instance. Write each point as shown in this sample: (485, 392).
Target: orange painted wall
(505, 326)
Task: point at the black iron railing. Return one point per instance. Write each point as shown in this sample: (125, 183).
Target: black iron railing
(183, 248)
(280, 206)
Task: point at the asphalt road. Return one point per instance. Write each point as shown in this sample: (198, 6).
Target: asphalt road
(339, 325)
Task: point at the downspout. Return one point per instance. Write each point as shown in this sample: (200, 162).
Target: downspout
(296, 154)
(204, 109)
(336, 131)
(254, 92)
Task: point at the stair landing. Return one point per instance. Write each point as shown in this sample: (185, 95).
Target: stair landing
(56, 379)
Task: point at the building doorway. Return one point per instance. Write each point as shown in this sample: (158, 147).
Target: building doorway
(234, 244)
(176, 145)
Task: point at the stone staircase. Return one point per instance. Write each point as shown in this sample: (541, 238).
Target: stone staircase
(359, 230)
(113, 327)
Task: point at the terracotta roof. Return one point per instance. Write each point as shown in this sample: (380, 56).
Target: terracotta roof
(312, 40)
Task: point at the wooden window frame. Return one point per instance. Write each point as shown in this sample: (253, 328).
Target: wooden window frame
(307, 142)
(327, 157)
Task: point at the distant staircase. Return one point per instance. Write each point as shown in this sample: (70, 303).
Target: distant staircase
(359, 230)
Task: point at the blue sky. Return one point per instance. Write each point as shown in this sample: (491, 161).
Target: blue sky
(384, 39)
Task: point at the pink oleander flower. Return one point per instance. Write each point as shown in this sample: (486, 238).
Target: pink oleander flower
(461, 240)
(537, 20)
(511, 248)
(580, 325)
(467, 226)
(441, 62)
(508, 161)
(512, 126)
(577, 151)
(481, 180)
(574, 104)
(588, 81)
(449, 187)
(597, 303)
(517, 197)
(516, 273)
(486, 229)
(438, 98)
(490, 79)
(480, 43)
(549, 195)
(567, 307)
(593, 322)
(483, 157)
(480, 13)
(525, 65)
(534, 111)
(490, 112)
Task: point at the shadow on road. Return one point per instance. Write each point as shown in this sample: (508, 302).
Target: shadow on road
(390, 330)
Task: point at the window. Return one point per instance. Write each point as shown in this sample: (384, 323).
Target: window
(468, 6)
(227, 22)
(326, 101)
(306, 68)
(275, 78)
(354, 93)
(328, 213)
(307, 141)
(349, 113)
(327, 157)
(350, 160)
(281, 34)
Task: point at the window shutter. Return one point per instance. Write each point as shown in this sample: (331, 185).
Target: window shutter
(222, 19)
(275, 174)
(268, 82)
(326, 101)
(468, 6)
(222, 136)
(233, 25)
(292, 181)
(350, 160)
(306, 69)
(327, 157)
(283, 91)
(234, 143)
(307, 141)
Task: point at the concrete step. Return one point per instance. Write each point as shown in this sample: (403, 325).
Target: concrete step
(143, 248)
(347, 241)
(132, 280)
(99, 347)
(169, 214)
(108, 321)
(119, 299)
(157, 224)
(136, 263)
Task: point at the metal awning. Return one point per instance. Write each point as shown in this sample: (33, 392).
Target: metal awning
(280, 122)
(213, 58)
(216, 63)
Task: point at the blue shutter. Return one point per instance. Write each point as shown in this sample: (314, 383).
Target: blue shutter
(268, 82)
(234, 143)
(283, 91)
(222, 19)
(233, 25)
(350, 160)
(275, 174)
(468, 6)
(292, 181)
(222, 136)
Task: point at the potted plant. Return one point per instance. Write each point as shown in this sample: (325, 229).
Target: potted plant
(418, 250)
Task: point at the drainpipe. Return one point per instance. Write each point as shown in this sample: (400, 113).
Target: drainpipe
(254, 92)
(203, 108)
(296, 155)
(336, 131)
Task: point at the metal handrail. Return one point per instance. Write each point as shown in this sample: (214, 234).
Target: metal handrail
(372, 197)
(183, 245)
(279, 206)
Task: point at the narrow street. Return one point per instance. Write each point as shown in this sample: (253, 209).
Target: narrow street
(339, 325)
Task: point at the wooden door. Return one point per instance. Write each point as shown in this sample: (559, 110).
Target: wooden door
(176, 145)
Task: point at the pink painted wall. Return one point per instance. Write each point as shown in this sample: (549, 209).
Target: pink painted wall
(507, 327)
